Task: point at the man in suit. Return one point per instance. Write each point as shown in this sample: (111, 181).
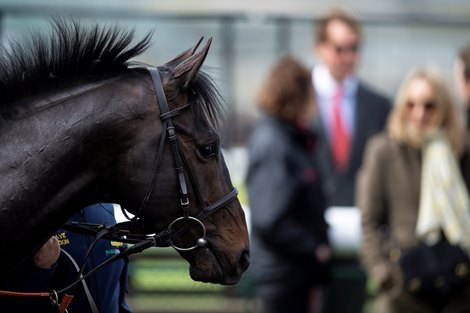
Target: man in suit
(462, 79)
(349, 113)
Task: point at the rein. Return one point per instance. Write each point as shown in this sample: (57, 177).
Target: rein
(141, 242)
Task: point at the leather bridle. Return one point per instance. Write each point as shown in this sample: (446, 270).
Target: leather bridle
(169, 132)
(163, 238)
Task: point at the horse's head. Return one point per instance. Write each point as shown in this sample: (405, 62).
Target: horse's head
(185, 186)
(79, 126)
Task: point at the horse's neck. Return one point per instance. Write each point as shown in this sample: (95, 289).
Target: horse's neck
(46, 168)
(43, 151)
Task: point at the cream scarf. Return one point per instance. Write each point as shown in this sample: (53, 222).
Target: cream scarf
(444, 200)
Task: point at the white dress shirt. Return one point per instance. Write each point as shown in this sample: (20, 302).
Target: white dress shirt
(325, 85)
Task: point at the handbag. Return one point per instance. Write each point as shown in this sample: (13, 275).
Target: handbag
(432, 273)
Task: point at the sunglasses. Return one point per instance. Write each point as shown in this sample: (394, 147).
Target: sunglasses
(342, 49)
(428, 105)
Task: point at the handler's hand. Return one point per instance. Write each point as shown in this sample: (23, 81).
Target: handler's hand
(48, 254)
(323, 253)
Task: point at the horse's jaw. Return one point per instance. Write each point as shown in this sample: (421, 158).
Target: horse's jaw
(205, 267)
(209, 267)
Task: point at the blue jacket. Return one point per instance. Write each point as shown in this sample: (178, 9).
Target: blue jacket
(108, 286)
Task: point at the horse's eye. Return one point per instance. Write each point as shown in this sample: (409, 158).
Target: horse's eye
(208, 151)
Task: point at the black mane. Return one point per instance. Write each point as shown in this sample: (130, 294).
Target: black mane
(206, 99)
(72, 53)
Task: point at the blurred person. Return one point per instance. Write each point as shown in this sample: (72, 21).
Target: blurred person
(462, 79)
(289, 244)
(55, 265)
(350, 112)
(413, 195)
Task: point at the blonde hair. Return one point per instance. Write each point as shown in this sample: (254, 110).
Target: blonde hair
(451, 122)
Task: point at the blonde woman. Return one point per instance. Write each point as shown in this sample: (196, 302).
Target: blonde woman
(413, 191)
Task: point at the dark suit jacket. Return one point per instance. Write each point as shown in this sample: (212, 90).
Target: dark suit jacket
(371, 114)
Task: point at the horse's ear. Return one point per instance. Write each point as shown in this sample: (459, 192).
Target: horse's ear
(186, 71)
(184, 55)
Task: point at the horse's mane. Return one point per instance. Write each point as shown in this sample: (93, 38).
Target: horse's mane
(72, 53)
(206, 99)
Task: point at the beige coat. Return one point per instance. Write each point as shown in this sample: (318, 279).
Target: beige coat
(388, 190)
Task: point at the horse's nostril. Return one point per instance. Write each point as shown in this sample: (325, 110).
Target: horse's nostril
(244, 260)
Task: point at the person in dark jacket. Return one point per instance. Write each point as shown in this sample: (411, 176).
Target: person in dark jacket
(54, 267)
(290, 247)
(350, 112)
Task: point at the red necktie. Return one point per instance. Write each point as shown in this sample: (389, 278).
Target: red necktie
(339, 134)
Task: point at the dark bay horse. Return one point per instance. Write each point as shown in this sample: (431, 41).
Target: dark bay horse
(79, 125)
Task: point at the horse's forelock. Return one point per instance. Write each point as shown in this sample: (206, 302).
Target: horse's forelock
(206, 99)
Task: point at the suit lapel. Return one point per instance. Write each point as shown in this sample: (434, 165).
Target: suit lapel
(323, 151)
(360, 128)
